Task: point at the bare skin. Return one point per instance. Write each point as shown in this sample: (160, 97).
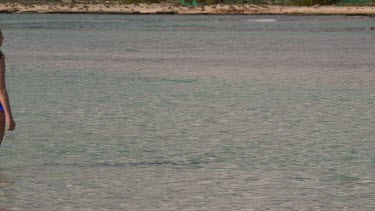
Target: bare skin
(6, 117)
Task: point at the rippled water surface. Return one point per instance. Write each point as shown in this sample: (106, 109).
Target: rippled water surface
(118, 112)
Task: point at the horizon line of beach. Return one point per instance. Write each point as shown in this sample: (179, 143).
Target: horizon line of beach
(170, 8)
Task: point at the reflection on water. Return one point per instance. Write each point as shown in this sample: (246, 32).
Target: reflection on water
(4, 196)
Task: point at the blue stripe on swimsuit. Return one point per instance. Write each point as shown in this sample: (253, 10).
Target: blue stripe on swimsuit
(1, 107)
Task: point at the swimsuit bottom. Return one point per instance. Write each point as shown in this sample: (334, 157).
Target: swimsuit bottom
(1, 107)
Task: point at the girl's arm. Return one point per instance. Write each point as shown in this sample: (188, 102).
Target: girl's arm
(4, 99)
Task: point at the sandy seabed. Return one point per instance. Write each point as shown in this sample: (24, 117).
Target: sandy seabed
(165, 8)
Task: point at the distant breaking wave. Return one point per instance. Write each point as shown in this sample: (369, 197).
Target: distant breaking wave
(262, 20)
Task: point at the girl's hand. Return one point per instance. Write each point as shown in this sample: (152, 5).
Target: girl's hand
(11, 124)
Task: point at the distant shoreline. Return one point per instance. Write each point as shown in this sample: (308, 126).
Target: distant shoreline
(165, 8)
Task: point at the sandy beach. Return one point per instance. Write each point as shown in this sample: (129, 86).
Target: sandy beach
(165, 8)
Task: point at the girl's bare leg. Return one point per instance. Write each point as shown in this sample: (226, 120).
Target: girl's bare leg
(2, 126)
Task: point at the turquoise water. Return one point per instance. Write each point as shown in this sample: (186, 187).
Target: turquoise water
(118, 112)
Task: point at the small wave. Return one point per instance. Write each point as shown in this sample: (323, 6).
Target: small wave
(262, 20)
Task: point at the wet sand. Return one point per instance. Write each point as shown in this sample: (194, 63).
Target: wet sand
(165, 8)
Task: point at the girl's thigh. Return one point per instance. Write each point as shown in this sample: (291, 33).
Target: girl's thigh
(2, 126)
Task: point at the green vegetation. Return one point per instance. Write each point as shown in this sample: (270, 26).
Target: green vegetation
(31, 1)
(206, 2)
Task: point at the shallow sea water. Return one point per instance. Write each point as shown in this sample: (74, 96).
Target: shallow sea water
(121, 112)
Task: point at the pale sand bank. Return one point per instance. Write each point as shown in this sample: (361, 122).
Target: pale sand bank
(164, 8)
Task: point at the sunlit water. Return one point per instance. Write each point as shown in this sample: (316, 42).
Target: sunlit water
(118, 112)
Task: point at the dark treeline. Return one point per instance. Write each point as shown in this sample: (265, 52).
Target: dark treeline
(207, 2)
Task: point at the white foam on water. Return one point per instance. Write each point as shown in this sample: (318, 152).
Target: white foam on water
(267, 20)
